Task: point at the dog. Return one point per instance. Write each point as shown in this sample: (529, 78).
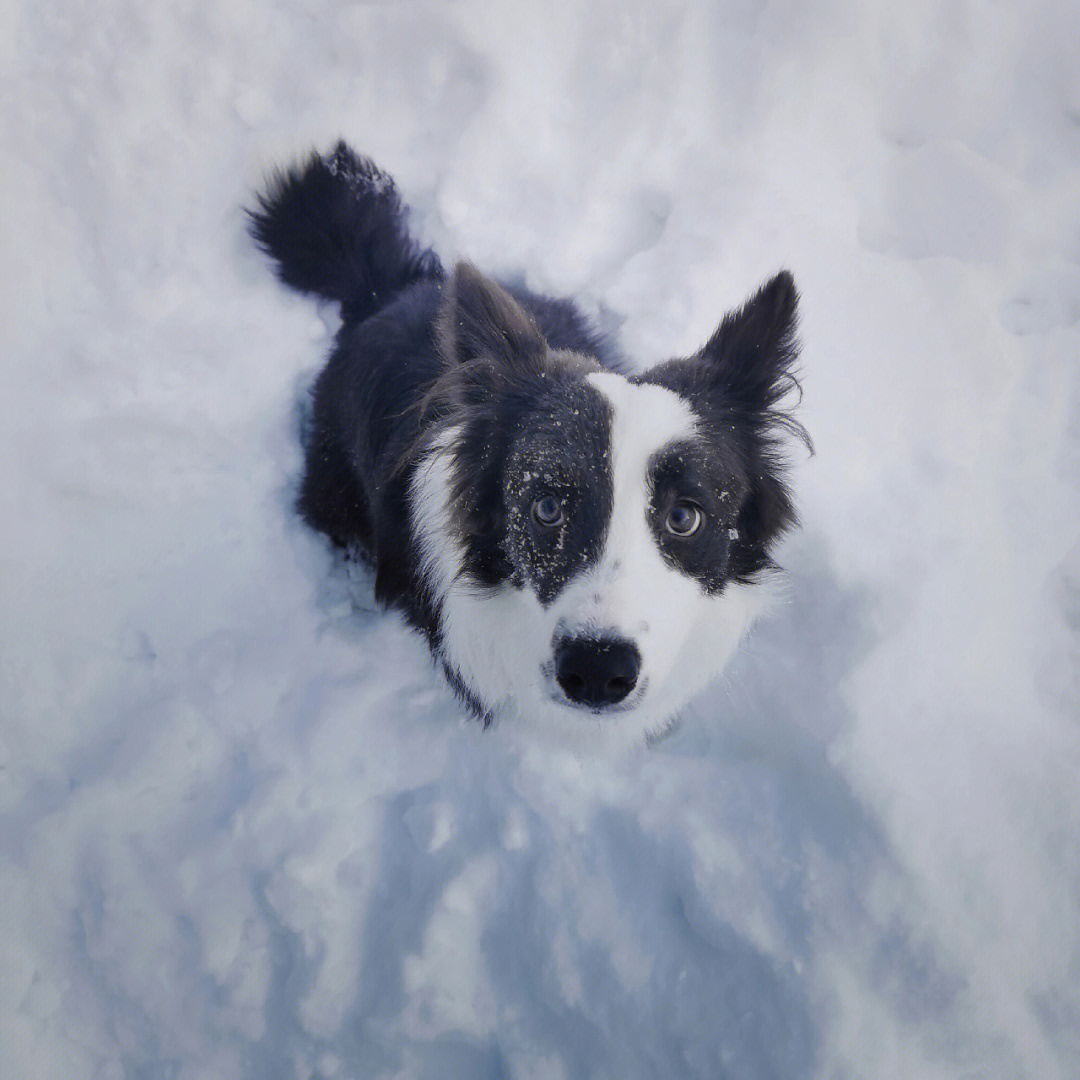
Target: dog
(579, 546)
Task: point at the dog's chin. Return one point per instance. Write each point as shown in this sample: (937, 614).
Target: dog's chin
(549, 717)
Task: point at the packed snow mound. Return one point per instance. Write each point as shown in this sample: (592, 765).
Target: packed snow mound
(244, 829)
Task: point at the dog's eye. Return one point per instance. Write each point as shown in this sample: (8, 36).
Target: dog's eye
(684, 519)
(547, 511)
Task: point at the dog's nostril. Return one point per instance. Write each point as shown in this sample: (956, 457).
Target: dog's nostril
(596, 671)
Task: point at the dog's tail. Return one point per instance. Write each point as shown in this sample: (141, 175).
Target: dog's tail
(336, 228)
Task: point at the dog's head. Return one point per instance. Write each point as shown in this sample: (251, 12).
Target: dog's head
(596, 545)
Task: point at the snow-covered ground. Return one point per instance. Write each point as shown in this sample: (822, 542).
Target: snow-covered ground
(244, 830)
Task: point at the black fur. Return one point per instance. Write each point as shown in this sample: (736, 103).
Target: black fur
(336, 228)
(707, 472)
(415, 349)
(530, 425)
(737, 382)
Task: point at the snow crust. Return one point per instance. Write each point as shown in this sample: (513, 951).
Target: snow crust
(245, 832)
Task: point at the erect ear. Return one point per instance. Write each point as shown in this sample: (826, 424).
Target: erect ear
(479, 318)
(751, 355)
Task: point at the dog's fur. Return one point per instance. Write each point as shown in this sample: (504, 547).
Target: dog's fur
(576, 545)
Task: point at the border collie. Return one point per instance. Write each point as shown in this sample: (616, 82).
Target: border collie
(577, 545)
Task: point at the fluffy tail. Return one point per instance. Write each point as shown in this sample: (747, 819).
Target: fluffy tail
(336, 228)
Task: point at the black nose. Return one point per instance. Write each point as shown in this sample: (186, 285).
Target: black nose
(596, 671)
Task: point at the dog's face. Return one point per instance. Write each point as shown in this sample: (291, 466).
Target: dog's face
(597, 545)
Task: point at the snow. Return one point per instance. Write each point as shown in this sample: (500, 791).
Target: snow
(244, 830)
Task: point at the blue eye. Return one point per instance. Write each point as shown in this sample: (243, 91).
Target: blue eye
(684, 519)
(547, 511)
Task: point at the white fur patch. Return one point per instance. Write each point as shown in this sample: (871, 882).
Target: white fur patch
(501, 641)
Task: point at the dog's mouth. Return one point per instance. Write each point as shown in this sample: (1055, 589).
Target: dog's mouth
(601, 710)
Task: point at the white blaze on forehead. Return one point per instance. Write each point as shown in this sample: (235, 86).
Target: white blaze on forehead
(644, 419)
(650, 416)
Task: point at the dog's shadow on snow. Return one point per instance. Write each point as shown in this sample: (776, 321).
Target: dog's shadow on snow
(781, 702)
(728, 1003)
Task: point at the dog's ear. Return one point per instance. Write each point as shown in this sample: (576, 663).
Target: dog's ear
(478, 318)
(751, 356)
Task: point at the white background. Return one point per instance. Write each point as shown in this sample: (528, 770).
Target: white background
(245, 831)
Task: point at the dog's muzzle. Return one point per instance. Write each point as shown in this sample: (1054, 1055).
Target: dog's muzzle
(596, 672)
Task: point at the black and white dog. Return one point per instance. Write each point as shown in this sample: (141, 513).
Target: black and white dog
(576, 545)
